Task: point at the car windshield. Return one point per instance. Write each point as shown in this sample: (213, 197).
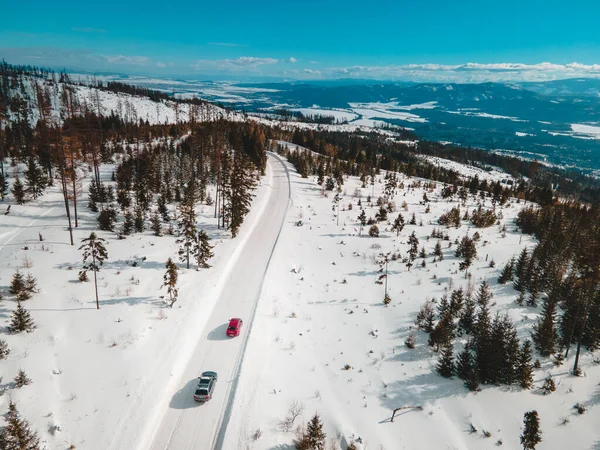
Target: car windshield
(202, 392)
(231, 328)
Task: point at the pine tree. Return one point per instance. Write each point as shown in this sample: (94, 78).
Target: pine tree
(93, 248)
(374, 231)
(443, 333)
(525, 367)
(17, 283)
(170, 281)
(520, 271)
(351, 446)
(22, 379)
(437, 251)
(35, 179)
(473, 380)
(187, 232)
(202, 250)
(3, 186)
(94, 195)
(127, 227)
(445, 365)
(162, 209)
(482, 340)
(31, 284)
(315, 434)
(532, 435)
(457, 299)
(139, 219)
(466, 322)
(398, 224)
(4, 350)
(21, 320)
(107, 218)
(362, 219)
(156, 224)
(545, 336)
(507, 272)
(242, 184)
(468, 251)
(413, 241)
(464, 363)
(18, 191)
(17, 435)
(381, 215)
(484, 294)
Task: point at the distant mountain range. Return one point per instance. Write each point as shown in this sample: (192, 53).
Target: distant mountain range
(557, 121)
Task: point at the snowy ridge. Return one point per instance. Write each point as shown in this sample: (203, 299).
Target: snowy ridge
(131, 108)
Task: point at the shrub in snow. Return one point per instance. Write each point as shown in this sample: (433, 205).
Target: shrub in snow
(107, 219)
(410, 341)
(387, 300)
(22, 379)
(374, 231)
(4, 350)
(294, 411)
(549, 385)
(580, 407)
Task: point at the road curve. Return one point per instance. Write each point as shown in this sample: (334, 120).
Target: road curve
(190, 425)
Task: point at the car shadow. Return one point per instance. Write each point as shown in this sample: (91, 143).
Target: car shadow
(219, 333)
(184, 397)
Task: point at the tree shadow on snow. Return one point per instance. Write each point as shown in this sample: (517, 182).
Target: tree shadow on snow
(128, 300)
(219, 333)
(184, 398)
(422, 389)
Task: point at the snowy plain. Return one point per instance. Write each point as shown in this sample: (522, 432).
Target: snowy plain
(322, 310)
(101, 377)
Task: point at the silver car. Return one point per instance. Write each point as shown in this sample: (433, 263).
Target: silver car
(206, 385)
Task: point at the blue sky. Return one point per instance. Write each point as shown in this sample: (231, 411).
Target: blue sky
(309, 39)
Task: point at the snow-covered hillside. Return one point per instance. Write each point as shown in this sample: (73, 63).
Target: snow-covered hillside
(131, 108)
(99, 375)
(324, 341)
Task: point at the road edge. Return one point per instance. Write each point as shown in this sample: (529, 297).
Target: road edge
(223, 423)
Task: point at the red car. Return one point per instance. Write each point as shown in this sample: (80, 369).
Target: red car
(234, 327)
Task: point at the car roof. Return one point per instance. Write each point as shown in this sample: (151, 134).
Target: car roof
(235, 321)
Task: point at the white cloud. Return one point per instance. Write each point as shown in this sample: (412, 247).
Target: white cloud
(292, 59)
(469, 72)
(251, 61)
(243, 63)
(121, 59)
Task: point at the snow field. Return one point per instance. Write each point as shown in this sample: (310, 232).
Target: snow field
(328, 343)
(102, 375)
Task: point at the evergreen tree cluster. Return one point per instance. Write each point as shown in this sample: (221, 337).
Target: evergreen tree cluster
(492, 353)
(562, 273)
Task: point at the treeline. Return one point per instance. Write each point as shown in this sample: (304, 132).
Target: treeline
(562, 272)
(387, 154)
(334, 165)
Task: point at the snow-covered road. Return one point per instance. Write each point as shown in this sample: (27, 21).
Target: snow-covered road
(190, 425)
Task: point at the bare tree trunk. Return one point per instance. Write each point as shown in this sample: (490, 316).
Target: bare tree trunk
(585, 317)
(96, 286)
(73, 182)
